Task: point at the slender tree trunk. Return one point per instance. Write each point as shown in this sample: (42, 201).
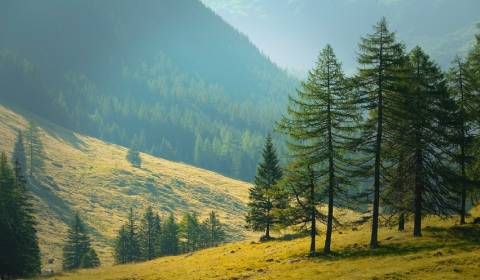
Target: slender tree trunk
(376, 186)
(417, 228)
(464, 189)
(401, 221)
(313, 229)
(331, 179)
(267, 231)
(378, 147)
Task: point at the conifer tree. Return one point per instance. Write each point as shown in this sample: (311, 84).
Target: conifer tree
(133, 156)
(190, 230)
(148, 235)
(121, 246)
(10, 254)
(169, 237)
(264, 197)
(90, 259)
(321, 126)
(26, 235)
(132, 246)
(215, 231)
(77, 252)
(300, 181)
(381, 62)
(430, 121)
(467, 104)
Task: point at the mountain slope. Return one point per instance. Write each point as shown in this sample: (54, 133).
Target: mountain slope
(170, 77)
(444, 252)
(73, 172)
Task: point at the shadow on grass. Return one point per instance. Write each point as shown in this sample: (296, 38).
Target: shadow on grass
(382, 250)
(465, 233)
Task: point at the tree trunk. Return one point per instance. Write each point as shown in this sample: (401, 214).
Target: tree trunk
(267, 231)
(417, 228)
(313, 217)
(464, 187)
(376, 186)
(331, 179)
(401, 222)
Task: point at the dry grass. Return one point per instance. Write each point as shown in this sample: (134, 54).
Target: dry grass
(84, 174)
(442, 253)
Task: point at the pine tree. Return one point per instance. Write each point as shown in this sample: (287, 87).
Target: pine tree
(321, 126)
(215, 231)
(429, 145)
(467, 107)
(26, 234)
(133, 156)
(77, 252)
(190, 231)
(132, 246)
(381, 62)
(264, 197)
(90, 259)
(169, 237)
(9, 196)
(300, 181)
(148, 235)
(121, 246)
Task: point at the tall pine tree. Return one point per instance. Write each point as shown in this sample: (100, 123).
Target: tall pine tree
(465, 129)
(29, 251)
(381, 62)
(429, 145)
(169, 237)
(264, 197)
(321, 124)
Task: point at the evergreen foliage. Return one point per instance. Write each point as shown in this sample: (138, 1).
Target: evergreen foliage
(149, 235)
(77, 252)
(169, 239)
(265, 197)
(321, 126)
(467, 105)
(20, 254)
(215, 234)
(133, 156)
(381, 61)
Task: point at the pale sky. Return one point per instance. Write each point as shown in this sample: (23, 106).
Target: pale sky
(291, 32)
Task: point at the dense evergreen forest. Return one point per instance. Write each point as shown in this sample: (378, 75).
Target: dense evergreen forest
(135, 75)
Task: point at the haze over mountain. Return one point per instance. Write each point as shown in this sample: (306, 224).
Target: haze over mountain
(291, 32)
(170, 77)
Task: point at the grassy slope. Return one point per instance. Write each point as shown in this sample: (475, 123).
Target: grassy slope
(80, 173)
(444, 252)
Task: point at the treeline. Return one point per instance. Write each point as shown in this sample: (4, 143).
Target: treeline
(19, 250)
(400, 135)
(152, 238)
(206, 104)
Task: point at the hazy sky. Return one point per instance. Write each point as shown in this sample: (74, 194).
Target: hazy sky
(291, 32)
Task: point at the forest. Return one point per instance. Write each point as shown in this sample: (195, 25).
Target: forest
(395, 145)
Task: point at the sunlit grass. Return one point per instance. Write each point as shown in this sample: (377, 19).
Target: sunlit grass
(85, 174)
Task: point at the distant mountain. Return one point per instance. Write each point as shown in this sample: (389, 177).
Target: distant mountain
(169, 77)
(292, 32)
(73, 172)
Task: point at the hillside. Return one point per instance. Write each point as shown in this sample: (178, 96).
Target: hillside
(444, 252)
(79, 173)
(169, 77)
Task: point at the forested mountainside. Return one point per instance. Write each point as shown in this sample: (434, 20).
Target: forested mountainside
(75, 173)
(169, 77)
